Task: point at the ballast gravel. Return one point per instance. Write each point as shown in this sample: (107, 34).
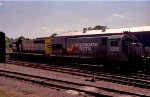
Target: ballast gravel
(68, 77)
(17, 88)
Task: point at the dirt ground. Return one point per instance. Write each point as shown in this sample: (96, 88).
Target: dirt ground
(7, 92)
(14, 88)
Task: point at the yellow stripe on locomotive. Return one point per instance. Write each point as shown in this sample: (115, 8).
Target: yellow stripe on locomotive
(48, 46)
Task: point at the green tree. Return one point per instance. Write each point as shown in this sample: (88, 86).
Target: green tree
(53, 35)
(90, 28)
(21, 38)
(8, 42)
(98, 27)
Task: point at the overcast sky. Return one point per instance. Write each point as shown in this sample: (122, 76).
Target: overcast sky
(42, 18)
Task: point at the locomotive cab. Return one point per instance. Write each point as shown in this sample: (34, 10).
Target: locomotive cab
(16, 45)
(119, 45)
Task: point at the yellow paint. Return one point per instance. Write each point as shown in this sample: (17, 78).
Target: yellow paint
(48, 46)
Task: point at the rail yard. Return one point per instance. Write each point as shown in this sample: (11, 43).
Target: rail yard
(81, 82)
(109, 65)
(74, 48)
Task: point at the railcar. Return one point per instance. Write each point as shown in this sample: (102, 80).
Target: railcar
(38, 49)
(2, 48)
(142, 33)
(114, 46)
(117, 49)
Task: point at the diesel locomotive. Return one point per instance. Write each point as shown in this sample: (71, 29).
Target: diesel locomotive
(118, 49)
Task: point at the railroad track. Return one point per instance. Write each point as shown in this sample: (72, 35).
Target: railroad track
(67, 85)
(116, 78)
(143, 74)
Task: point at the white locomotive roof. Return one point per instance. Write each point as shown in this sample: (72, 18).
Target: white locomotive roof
(116, 36)
(90, 32)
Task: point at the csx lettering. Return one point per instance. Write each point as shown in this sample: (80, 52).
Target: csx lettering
(87, 46)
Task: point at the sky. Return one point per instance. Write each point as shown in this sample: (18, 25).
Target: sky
(35, 18)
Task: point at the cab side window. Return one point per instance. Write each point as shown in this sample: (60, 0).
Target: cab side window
(114, 43)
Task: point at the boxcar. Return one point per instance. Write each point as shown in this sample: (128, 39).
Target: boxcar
(2, 48)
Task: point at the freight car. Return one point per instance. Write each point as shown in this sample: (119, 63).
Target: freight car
(2, 48)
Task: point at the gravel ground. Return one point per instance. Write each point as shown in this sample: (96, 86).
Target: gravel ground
(67, 77)
(14, 88)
